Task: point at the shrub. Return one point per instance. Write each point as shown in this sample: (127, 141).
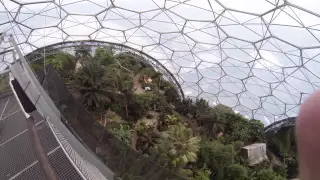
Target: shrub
(216, 156)
(237, 172)
(266, 174)
(141, 104)
(123, 133)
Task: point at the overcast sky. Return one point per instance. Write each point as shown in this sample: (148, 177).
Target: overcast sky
(249, 61)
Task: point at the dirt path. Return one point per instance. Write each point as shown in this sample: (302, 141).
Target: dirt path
(137, 86)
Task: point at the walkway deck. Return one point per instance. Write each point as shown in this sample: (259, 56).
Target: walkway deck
(17, 158)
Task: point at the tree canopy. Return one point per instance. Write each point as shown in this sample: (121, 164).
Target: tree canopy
(187, 136)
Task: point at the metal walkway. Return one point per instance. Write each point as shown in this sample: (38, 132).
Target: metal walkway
(280, 124)
(69, 158)
(18, 160)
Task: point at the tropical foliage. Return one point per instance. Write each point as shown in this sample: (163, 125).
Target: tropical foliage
(123, 133)
(94, 86)
(186, 136)
(61, 61)
(178, 146)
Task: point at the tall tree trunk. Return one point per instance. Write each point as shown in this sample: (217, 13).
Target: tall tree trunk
(159, 85)
(134, 140)
(101, 117)
(104, 128)
(126, 108)
(126, 103)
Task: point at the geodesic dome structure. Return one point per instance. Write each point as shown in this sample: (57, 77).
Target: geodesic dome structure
(259, 57)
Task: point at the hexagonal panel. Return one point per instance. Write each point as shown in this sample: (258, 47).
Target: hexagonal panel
(159, 52)
(239, 50)
(211, 71)
(210, 86)
(84, 7)
(232, 84)
(142, 36)
(119, 19)
(162, 21)
(228, 98)
(236, 68)
(203, 32)
(273, 105)
(177, 42)
(301, 79)
(189, 75)
(301, 25)
(41, 15)
(243, 26)
(46, 36)
(262, 71)
(261, 59)
(260, 6)
(195, 9)
(109, 35)
(79, 25)
(257, 86)
(139, 6)
(208, 53)
(191, 89)
(185, 59)
(286, 93)
(8, 10)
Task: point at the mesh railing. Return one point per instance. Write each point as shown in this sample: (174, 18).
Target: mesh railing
(86, 169)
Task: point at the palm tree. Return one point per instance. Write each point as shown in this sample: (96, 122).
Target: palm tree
(202, 106)
(146, 137)
(83, 54)
(55, 63)
(178, 146)
(211, 124)
(104, 56)
(61, 61)
(125, 85)
(130, 61)
(94, 86)
(172, 119)
(123, 82)
(213, 121)
(157, 77)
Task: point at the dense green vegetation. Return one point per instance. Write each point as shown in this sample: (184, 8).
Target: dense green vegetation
(187, 136)
(283, 145)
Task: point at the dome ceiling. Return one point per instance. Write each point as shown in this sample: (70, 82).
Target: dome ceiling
(260, 57)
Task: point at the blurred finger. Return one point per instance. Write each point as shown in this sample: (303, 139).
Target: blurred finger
(308, 137)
